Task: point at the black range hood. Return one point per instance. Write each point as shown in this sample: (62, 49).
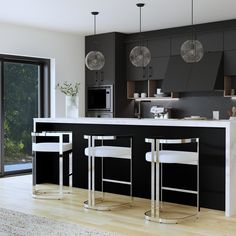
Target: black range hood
(206, 75)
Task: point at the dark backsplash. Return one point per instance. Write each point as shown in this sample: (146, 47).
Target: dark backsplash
(190, 104)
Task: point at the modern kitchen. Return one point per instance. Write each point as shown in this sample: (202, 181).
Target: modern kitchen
(152, 142)
(169, 97)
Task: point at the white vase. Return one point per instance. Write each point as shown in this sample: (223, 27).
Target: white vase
(72, 106)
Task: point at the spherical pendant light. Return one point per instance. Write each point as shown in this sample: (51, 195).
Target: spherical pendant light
(192, 50)
(140, 55)
(95, 60)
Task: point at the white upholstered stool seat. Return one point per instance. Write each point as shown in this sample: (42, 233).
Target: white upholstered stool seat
(97, 148)
(109, 151)
(51, 147)
(59, 147)
(175, 157)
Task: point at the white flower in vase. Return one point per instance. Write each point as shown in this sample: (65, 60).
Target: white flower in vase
(72, 99)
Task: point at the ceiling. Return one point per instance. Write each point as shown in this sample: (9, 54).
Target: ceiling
(115, 15)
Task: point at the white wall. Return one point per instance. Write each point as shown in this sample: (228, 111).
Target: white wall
(65, 50)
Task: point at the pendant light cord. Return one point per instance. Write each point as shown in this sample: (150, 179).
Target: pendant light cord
(193, 28)
(140, 18)
(192, 12)
(94, 24)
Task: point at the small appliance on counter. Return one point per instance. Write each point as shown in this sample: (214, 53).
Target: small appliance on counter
(160, 112)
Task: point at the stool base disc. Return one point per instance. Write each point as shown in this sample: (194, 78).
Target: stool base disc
(53, 194)
(179, 217)
(103, 205)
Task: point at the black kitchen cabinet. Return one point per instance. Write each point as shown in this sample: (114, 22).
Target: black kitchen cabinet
(134, 73)
(211, 41)
(159, 47)
(155, 70)
(230, 62)
(230, 39)
(112, 45)
(177, 41)
(105, 43)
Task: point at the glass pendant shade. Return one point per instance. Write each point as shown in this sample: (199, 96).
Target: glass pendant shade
(140, 56)
(95, 60)
(192, 51)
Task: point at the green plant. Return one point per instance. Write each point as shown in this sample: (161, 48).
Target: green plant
(69, 89)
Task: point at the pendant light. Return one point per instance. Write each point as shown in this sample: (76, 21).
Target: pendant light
(95, 60)
(140, 56)
(192, 50)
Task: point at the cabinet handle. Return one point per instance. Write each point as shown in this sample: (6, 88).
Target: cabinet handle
(96, 76)
(150, 71)
(102, 76)
(144, 72)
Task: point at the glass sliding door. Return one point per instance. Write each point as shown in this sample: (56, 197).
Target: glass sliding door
(20, 106)
(24, 95)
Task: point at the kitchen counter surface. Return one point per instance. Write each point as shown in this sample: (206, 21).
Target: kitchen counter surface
(144, 122)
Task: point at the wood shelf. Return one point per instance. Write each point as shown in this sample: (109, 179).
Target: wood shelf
(149, 87)
(228, 90)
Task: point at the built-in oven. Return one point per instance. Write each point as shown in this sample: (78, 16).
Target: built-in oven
(100, 101)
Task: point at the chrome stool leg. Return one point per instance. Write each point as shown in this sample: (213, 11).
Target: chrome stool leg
(99, 203)
(157, 157)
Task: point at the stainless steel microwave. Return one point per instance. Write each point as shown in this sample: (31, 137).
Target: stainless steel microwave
(100, 98)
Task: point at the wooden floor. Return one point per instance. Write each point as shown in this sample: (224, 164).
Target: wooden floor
(15, 194)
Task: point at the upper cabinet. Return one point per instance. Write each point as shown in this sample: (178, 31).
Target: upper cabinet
(159, 47)
(132, 72)
(156, 69)
(229, 40)
(177, 41)
(211, 41)
(104, 43)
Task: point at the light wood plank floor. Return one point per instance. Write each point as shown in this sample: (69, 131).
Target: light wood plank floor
(15, 194)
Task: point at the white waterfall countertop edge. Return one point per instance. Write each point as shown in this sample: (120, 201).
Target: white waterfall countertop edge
(135, 121)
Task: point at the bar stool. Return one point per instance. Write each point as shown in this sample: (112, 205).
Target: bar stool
(157, 156)
(104, 152)
(59, 147)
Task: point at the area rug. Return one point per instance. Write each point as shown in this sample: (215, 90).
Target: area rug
(20, 224)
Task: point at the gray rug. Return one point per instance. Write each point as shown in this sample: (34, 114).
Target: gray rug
(20, 224)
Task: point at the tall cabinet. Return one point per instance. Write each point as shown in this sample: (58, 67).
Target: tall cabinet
(113, 73)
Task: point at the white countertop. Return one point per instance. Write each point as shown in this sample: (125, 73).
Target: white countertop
(135, 121)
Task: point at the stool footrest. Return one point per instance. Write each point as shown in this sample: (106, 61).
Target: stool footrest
(179, 190)
(116, 181)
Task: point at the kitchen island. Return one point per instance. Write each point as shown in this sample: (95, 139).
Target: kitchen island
(217, 156)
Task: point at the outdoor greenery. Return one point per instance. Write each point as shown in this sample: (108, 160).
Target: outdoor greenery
(20, 106)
